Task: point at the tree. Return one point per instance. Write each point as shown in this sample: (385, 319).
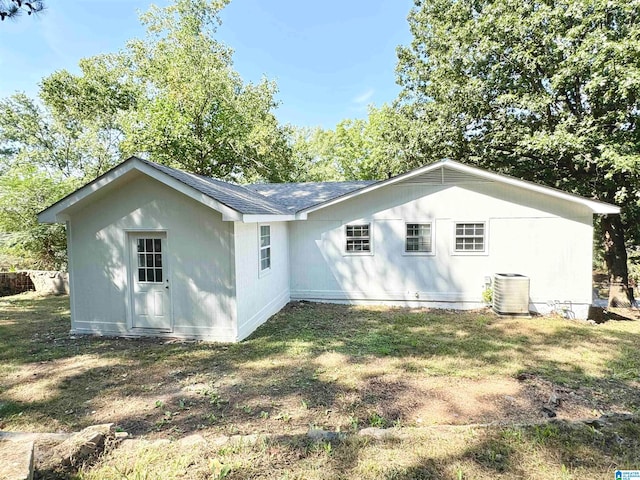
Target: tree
(90, 108)
(195, 112)
(175, 98)
(46, 151)
(13, 8)
(24, 192)
(544, 89)
(357, 149)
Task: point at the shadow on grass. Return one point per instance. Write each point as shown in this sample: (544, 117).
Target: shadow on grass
(278, 378)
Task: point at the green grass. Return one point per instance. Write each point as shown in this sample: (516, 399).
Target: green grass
(338, 368)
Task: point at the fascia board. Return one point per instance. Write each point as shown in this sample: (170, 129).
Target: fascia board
(247, 218)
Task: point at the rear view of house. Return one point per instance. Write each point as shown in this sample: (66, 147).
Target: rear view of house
(157, 251)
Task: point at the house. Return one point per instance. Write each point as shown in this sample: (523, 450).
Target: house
(157, 251)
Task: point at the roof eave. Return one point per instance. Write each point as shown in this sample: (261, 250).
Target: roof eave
(57, 212)
(255, 218)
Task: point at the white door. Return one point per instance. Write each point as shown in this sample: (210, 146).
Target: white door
(150, 282)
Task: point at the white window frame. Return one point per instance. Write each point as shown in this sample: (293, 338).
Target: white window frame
(346, 238)
(432, 225)
(485, 243)
(265, 248)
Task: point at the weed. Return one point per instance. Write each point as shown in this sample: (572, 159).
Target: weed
(543, 433)
(215, 399)
(494, 454)
(285, 417)
(377, 420)
(327, 447)
(354, 423)
(218, 469)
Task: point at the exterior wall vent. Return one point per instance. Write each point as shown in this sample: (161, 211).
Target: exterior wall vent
(511, 294)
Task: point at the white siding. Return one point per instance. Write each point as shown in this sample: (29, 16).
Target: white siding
(260, 295)
(199, 258)
(547, 239)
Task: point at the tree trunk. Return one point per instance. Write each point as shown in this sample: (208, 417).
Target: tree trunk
(615, 254)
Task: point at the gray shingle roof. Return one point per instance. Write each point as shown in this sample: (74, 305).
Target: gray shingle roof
(233, 196)
(298, 196)
(263, 198)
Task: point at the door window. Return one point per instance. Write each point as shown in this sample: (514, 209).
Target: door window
(150, 260)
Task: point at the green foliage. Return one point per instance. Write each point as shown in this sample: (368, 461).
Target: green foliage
(378, 421)
(487, 295)
(44, 155)
(357, 149)
(24, 191)
(538, 89)
(194, 111)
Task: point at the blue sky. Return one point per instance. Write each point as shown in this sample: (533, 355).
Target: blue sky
(330, 59)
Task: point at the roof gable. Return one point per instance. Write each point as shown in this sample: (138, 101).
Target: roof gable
(452, 172)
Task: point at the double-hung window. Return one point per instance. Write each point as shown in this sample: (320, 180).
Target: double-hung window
(358, 238)
(419, 238)
(265, 248)
(470, 237)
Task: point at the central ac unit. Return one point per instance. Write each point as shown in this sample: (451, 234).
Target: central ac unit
(511, 294)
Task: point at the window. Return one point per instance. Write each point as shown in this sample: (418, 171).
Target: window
(358, 238)
(265, 247)
(419, 238)
(470, 237)
(150, 260)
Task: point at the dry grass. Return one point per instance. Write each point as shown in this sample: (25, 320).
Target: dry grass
(338, 368)
(550, 451)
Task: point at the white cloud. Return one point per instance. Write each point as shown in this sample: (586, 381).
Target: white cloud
(364, 97)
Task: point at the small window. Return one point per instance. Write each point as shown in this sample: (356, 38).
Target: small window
(150, 260)
(358, 238)
(419, 238)
(470, 237)
(265, 247)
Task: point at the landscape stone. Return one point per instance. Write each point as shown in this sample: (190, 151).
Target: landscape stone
(319, 435)
(555, 400)
(548, 412)
(243, 439)
(16, 460)
(377, 433)
(191, 440)
(78, 448)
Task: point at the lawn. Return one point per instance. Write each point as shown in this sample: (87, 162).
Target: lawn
(464, 391)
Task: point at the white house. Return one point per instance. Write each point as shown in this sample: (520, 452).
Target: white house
(157, 251)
